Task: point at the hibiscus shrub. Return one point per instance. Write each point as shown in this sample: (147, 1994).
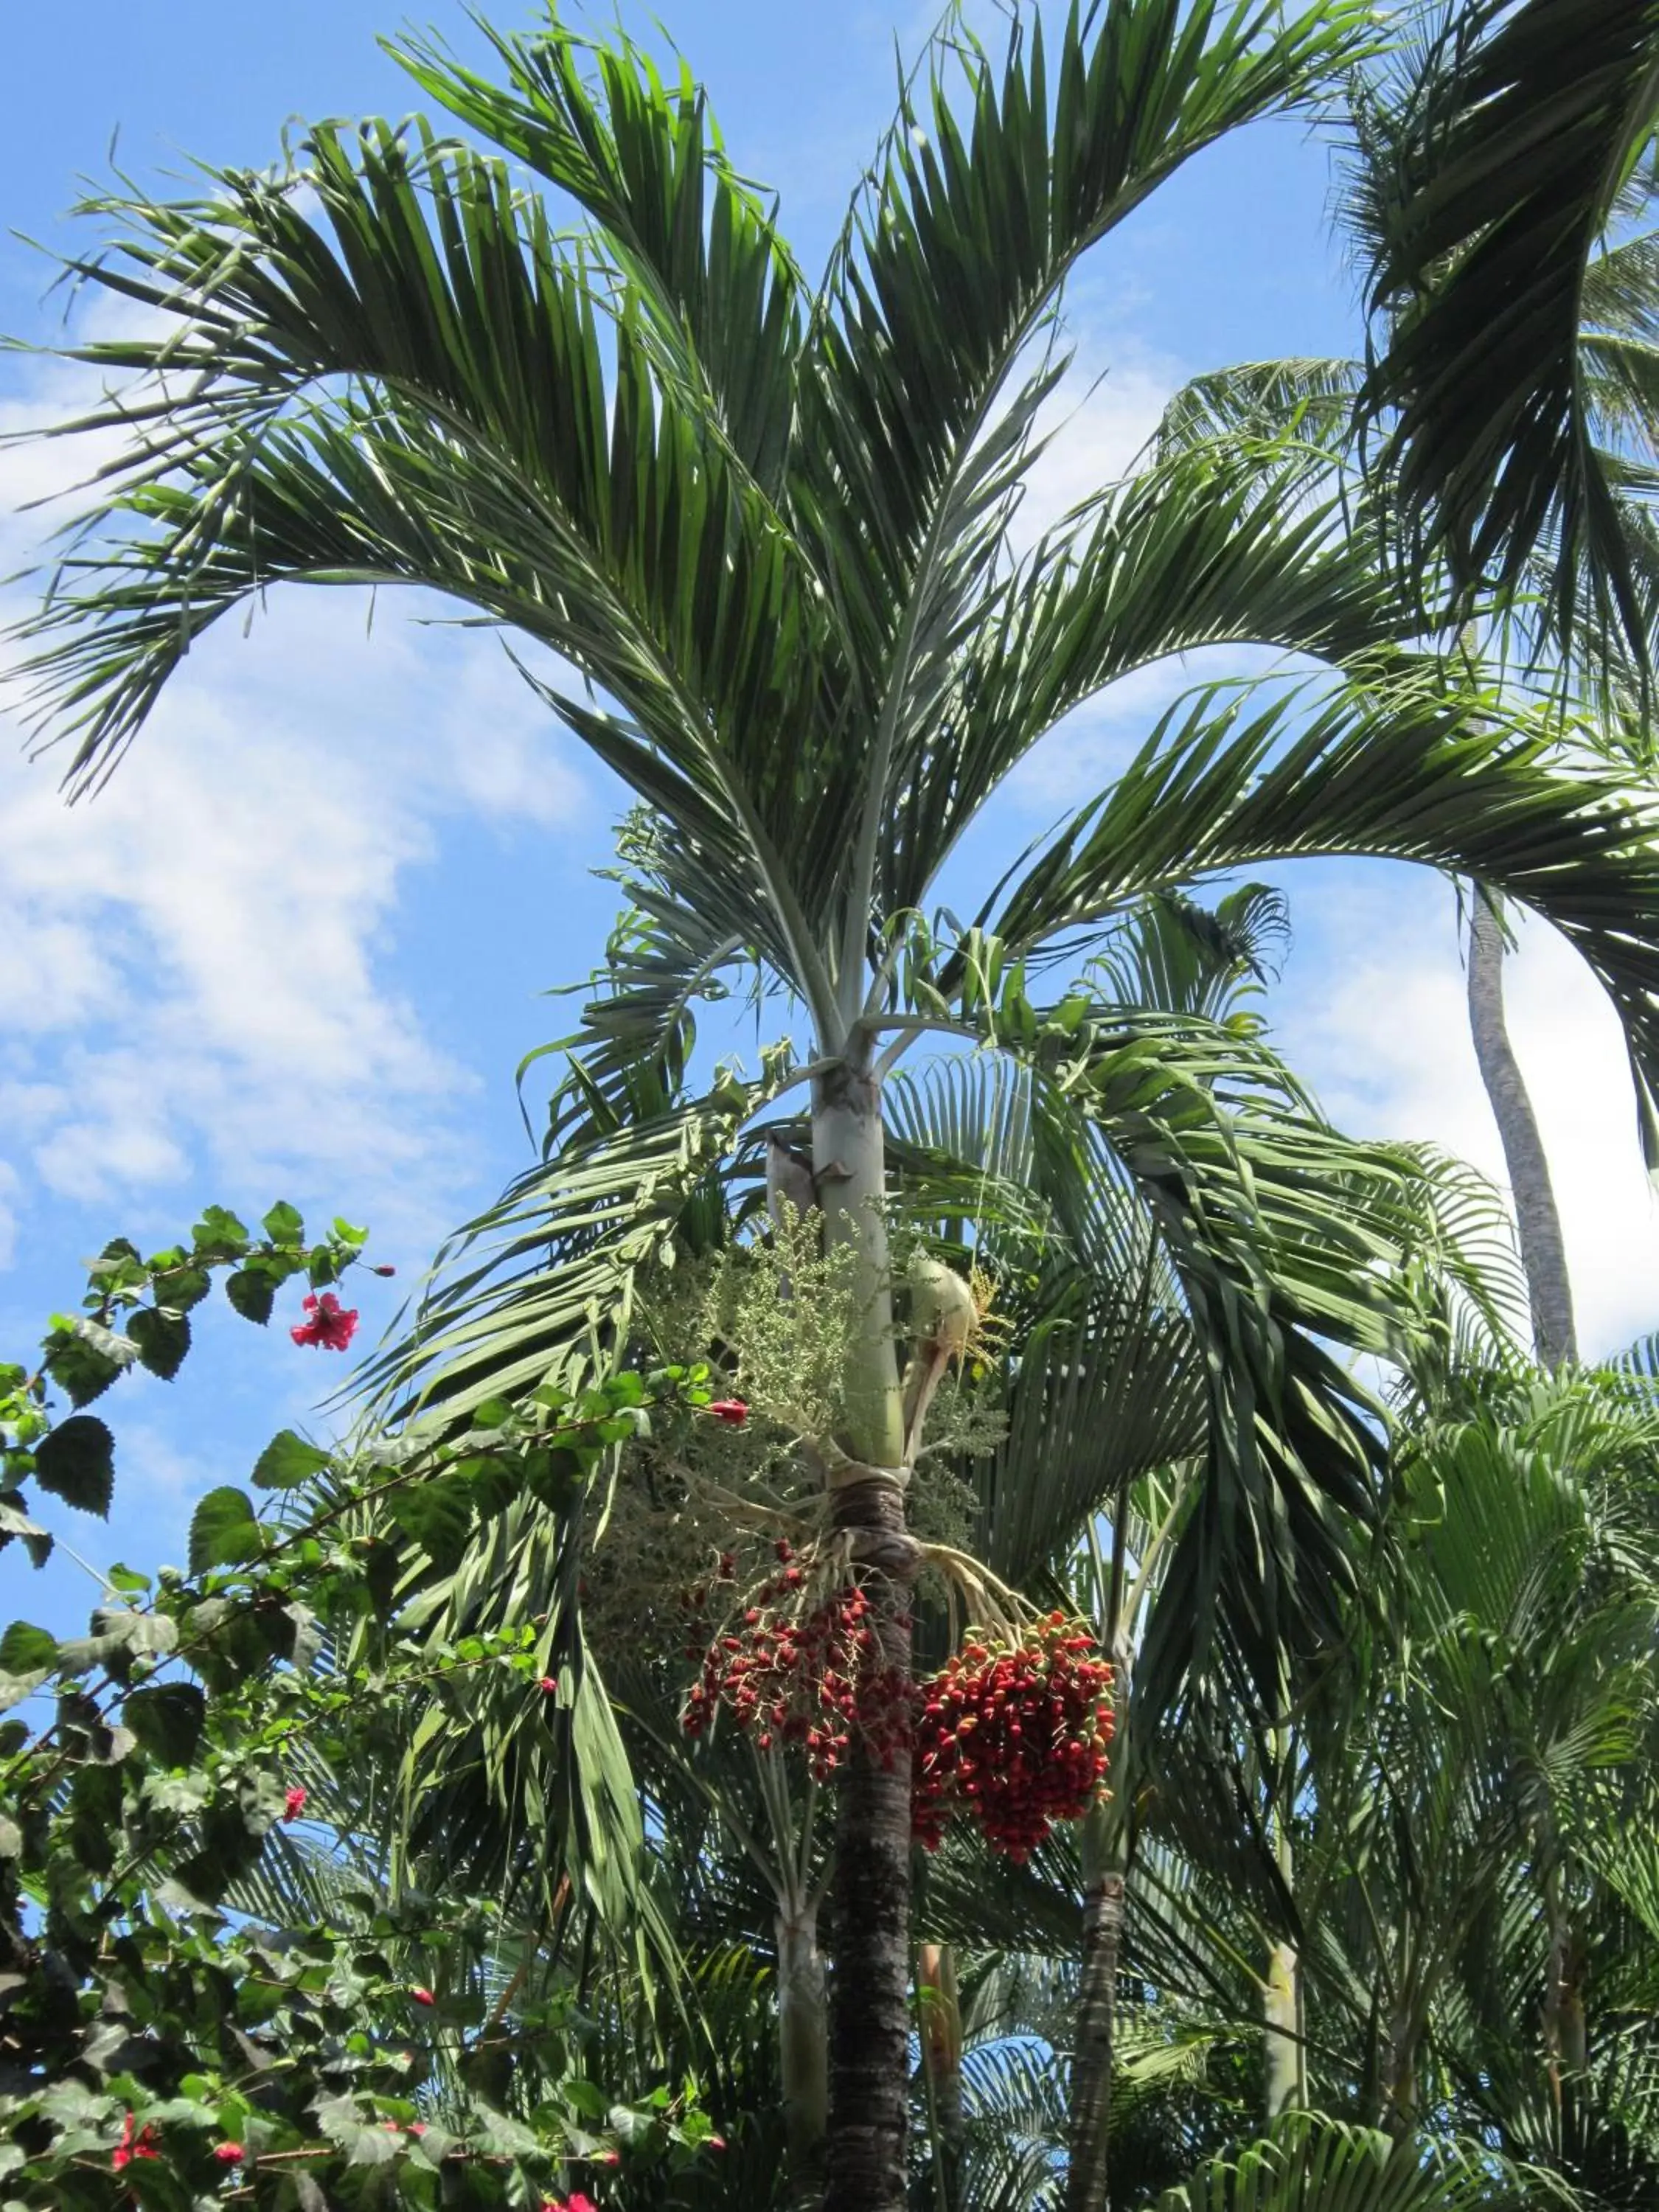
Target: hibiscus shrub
(205, 1995)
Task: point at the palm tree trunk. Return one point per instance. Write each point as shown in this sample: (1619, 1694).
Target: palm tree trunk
(1565, 2039)
(1281, 1994)
(804, 2046)
(1398, 2098)
(1281, 2013)
(869, 2001)
(1543, 1255)
(1106, 1844)
(941, 2060)
(1091, 2056)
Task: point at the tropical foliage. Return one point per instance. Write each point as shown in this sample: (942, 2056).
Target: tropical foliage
(847, 1411)
(221, 1977)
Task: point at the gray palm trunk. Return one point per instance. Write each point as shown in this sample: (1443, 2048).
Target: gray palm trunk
(1286, 2049)
(1281, 2014)
(870, 1985)
(1543, 1255)
(804, 2046)
(1086, 2179)
(1107, 1844)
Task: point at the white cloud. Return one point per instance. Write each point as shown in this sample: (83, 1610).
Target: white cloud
(1378, 1026)
(1106, 409)
(195, 950)
(195, 963)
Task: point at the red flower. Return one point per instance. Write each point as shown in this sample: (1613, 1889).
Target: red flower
(141, 2145)
(423, 1996)
(548, 1685)
(417, 2127)
(294, 1803)
(732, 1411)
(330, 1325)
(228, 2154)
(579, 2202)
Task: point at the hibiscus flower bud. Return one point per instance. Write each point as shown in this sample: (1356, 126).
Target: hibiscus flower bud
(293, 1802)
(383, 1270)
(732, 1411)
(548, 1685)
(422, 1997)
(228, 2154)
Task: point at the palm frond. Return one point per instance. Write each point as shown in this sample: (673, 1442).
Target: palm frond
(1515, 140)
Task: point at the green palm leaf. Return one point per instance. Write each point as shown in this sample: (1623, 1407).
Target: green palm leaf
(1317, 2165)
(1500, 170)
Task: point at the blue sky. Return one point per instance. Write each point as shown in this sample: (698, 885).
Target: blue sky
(297, 948)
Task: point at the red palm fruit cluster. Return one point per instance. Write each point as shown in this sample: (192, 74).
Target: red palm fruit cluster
(1015, 1735)
(695, 1604)
(809, 1676)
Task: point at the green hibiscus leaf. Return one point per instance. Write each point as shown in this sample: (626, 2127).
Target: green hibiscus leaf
(83, 1359)
(437, 1517)
(219, 1234)
(364, 2140)
(77, 1462)
(253, 1293)
(303, 1636)
(224, 1530)
(27, 1650)
(284, 1224)
(14, 1521)
(162, 1338)
(287, 1461)
(167, 1718)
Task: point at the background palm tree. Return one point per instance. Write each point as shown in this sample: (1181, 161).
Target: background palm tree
(768, 526)
(1561, 592)
(1507, 144)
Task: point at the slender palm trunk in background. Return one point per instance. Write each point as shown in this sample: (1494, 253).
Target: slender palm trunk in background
(869, 2001)
(1106, 1844)
(803, 2044)
(941, 2062)
(1281, 2010)
(1281, 1992)
(1543, 1255)
(1104, 1891)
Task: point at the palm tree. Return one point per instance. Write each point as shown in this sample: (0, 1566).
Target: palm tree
(1122, 1306)
(1538, 1219)
(768, 528)
(1473, 1888)
(1509, 141)
(1515, 302)
(1543, 591)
